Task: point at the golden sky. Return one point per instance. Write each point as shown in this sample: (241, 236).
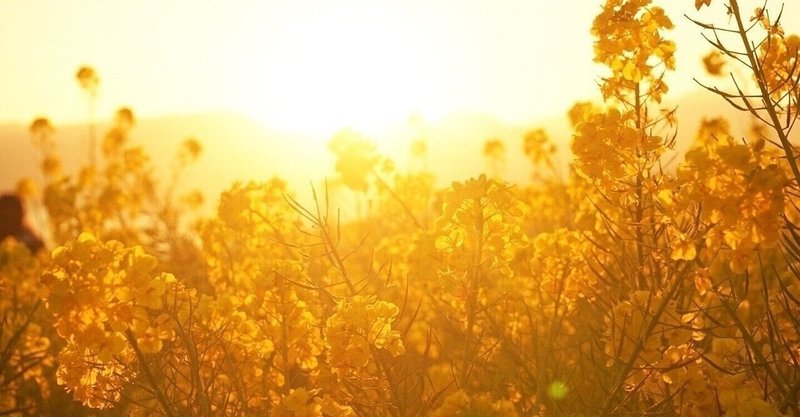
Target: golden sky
(314, 65)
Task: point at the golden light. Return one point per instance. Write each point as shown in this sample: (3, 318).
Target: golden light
(357, 66)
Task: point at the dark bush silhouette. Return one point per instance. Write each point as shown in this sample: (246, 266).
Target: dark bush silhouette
(12, 223)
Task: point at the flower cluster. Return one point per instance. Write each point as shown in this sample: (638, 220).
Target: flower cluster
(741, 189)
(360, 326)
(630, 43)
(107, 303)
(26, 348)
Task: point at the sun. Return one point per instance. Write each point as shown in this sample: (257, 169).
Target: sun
(350, 66)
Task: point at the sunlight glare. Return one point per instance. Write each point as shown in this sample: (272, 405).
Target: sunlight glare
(358, 66)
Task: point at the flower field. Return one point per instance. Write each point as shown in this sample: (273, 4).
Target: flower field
(633, 283)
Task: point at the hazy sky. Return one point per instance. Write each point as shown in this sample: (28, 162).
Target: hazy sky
(313, 64)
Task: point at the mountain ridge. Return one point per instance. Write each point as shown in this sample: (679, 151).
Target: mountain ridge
(237, 147)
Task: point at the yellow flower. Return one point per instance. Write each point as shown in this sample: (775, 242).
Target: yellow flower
(331, 408)
(714, 63)
(190, 150)
(88, 79)
(683, 249)
(700, 3)
(27, 189)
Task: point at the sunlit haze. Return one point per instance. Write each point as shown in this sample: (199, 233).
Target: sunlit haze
(309, 66)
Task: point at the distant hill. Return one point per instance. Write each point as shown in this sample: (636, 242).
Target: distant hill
(239, 148)
(234, 147)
